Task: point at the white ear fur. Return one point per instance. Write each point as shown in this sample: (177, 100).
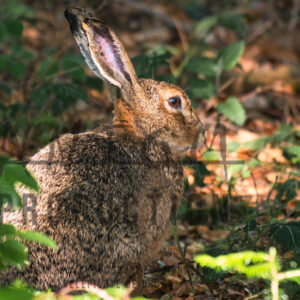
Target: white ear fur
(101, 48)
(107, 55)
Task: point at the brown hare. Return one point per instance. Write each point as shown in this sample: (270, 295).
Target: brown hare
(107, 196)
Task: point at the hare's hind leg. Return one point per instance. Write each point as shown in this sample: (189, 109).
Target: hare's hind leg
(124, 255)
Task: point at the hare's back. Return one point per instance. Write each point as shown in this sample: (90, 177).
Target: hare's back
(99, 176)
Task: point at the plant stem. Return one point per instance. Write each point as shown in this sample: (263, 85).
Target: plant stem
(288, 274)
(175, 234)
(274, 274)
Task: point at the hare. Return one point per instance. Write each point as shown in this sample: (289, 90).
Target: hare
(107, 196)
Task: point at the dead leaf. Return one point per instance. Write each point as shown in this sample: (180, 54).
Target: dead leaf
(269, 154)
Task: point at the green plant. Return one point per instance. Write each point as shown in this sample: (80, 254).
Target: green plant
(252, 264)
(48, 84)
(13, 251)
(20, 291)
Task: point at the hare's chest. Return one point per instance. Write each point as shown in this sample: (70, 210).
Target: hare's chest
(158, 200)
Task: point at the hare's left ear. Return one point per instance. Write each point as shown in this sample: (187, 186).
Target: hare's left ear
(103, 51)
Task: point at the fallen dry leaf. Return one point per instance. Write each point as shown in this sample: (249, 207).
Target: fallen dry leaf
(269, 154)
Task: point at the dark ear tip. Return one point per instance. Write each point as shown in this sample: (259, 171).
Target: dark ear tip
(67, 12)
(72, 19)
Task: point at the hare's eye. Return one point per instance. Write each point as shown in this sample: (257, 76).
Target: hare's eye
(175, 102)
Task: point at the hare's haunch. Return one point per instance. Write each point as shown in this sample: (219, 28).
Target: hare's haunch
(107, 195)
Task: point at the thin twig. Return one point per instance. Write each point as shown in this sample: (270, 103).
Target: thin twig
(200, 274)
(101, 6)
(175, 234)
(176, 71)
(269, 195)
(182, 36)
(259, 32)
(288, 274)
(84, 286)
(253, 296)
(258, 90)
(226, 84)
(64, 72)
(274, 274)
(255, 187)
(294, 15)
(273, 13)
(157, 11)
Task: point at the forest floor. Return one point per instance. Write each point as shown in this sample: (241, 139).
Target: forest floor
(224, 194)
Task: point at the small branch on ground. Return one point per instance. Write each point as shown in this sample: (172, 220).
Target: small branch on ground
(84, 286)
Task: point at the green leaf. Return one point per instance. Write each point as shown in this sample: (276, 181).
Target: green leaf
(3, 32)
(251, 225)
(183, 209)
(287, 235)
(12, 293)
(14, 252)
(258, 144)
(7, 229)
(47, 121)
(48, 67)
(233, 110)
(295, 279)
(233, 21)
(37, 237)
(253, 162)
(5, 60)
(287, 190)
(14, 28)
(233, 146)
(18, 69)
(41, 95)
(94, 83)
(6, 88)
(283, 134)
(295, 150)
(87, 296)
(246, 172)
(230, 20)
(24, 54)
(235, 169)
(203, 89)
(200, 173)
(211, 155)
(143, 66)
(3, 160)
(73, 66)
(17, 9)
(239, 169)
(202, 66)
(14, 173)
(230, 56)
(252, 264)
(66, 94)
(117, 292)
(206, 24)
(69, 92)
(8, 194)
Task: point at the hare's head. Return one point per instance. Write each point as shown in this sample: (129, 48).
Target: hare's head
(143, 107)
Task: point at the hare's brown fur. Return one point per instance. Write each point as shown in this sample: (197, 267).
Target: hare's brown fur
(107, 195)
(107, 205)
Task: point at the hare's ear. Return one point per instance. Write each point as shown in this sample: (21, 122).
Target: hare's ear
(103, 51)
